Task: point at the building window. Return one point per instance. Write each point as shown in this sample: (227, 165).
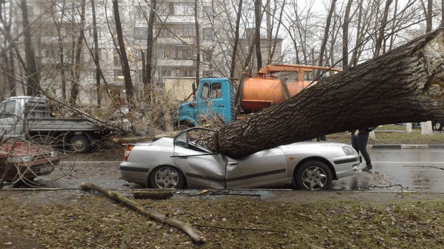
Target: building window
(207, 34)
(166, 73)
(207, 11)
(30, 10)
(183, 9)
(207, 54)
(162, 52)
(116, 59)
(164, 32)
(163, 9)
(140, 14)
(118, 75)
(140, 33)
(183, 52)
(186, 30)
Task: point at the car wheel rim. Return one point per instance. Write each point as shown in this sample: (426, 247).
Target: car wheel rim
(314, 178)
(167, 178)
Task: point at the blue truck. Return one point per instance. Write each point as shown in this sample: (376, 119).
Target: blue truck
(213, 96)
(273, 84)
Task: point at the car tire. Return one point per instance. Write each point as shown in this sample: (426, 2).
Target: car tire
(313, 175)
(167, 177)
(80, 144)
(437, 126)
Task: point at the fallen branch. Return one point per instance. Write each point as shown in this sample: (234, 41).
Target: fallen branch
(239, 229)
(194, 234)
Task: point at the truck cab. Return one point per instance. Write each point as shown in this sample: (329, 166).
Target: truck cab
(215, 96)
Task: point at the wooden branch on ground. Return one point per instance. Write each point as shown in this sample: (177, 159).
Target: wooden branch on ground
(194, 234)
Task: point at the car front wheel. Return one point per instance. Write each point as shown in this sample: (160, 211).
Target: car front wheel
(313, 175)
(437, 126)
(167, 177)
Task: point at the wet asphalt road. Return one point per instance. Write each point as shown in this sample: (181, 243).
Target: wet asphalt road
(419, 170)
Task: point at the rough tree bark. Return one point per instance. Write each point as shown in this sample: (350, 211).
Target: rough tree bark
(32, 73)
(236, 39)
(96, 53)
(76, 68)
(403, 85)
(123, 56)
(258, 20)
(326, 33)
(382, 28)
(149, 50)
(345, 26)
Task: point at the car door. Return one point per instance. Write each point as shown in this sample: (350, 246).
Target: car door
(261, 169)
(10, 123)
(201, 167)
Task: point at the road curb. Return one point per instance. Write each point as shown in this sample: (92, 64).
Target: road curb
(406, 146)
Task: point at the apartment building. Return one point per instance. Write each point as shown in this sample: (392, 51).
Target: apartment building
(56, 28)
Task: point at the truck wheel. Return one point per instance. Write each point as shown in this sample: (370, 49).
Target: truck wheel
(80, 143)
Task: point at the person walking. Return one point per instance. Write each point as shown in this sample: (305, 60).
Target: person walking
(359, 139)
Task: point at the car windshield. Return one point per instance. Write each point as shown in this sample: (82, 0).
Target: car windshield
(194, 139)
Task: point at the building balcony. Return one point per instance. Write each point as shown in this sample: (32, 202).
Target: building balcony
(175, 62)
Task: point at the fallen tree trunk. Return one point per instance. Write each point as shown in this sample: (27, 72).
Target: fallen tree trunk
(403, 85)
(194, 234)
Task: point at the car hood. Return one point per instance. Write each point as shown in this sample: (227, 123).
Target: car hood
(22, 149)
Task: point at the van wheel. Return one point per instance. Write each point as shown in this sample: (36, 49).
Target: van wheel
(80, 144)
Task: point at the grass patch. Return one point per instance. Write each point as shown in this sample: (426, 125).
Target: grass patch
(96, 222)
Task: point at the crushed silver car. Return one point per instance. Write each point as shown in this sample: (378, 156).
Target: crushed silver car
(185, 162)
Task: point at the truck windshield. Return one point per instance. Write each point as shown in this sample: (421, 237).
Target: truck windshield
(213, 91)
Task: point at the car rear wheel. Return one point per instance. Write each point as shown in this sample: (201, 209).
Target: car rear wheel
(313, 175)
(437, 126)
(167, 177)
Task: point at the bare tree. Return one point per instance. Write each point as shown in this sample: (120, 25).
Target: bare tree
(196, 23)
(236, 39)
(149, 51)
(32, 73)
(381, 29)
(76, 68)
(123, 57)
(334, 100)
(8, 52)
(258, 20)
(96, 57)
(345, 27)
(326, 33)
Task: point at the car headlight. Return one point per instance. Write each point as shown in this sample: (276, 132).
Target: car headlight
(349, 151)
(54, 153)
(20, 159)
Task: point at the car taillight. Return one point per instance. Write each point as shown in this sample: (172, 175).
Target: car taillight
(128, 149)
